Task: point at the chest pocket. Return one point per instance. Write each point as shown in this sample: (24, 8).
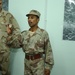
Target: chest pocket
(40, 42)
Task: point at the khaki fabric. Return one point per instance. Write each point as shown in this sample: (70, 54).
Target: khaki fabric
(35, 67)
(33, 44)
(5, 19)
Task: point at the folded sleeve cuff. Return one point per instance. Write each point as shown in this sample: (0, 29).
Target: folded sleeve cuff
(48, 66)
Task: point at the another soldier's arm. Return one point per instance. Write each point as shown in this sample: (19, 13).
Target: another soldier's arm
(13, 31)
(49, 61)
(15, 42)
(15, 26)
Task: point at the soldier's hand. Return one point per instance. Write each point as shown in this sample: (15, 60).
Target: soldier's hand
(47, 72)
(9, 29)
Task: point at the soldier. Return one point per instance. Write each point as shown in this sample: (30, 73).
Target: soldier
(6, 18)
(36, 45)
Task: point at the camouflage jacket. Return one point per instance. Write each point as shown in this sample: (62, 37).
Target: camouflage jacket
(37, 43)
(6, 18)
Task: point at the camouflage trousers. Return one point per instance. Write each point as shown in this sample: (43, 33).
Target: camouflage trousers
(4, 63)
(34, 67)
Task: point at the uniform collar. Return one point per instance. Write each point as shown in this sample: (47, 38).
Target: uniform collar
(38, 31)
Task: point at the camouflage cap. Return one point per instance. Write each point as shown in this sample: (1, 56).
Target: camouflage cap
(33, 12)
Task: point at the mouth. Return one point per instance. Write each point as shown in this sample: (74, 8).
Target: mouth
(30, 23)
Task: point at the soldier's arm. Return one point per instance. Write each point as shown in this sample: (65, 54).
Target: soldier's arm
(15, 42)
(15, 25)
(13, 31)
(49, 61)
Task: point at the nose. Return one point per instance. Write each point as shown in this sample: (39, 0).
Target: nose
(29, 19)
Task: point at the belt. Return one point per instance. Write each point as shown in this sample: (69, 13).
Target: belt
(33, 57)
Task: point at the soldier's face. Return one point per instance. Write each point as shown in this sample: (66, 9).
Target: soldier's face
(32, 20)
(0, 4)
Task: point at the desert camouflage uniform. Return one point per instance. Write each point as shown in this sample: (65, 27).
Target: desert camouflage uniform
(5, 19)
(38, 43)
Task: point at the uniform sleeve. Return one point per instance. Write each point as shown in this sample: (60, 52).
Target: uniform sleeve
(16, 33)
(15, 25)
(49, 61)
(15, 42)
